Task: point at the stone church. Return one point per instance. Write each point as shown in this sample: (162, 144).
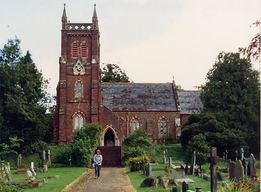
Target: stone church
(120, 108)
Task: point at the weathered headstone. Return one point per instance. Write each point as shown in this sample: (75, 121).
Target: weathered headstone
(8, 172)
(251, 166)
(176, 189)
(213, 160)
(241, 154)
(232, 166)
(19, 160)
(45, 168)
(228, 163)
(184, 186)
(198, 189)
(164, 157)
(28, 174)
(49, 157)
(219, 176)
(239, 171)
(148, 171)
(170, 162)
(244, 163)
(193, 162)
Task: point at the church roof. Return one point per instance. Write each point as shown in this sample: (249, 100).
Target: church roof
(190, 102)
(139, 96)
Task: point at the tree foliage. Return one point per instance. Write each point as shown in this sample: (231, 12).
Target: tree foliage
(232, 93)
(254, 49)
(22, 96)
(112, 73)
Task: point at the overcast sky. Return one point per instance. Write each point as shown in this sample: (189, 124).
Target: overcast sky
(152, 40)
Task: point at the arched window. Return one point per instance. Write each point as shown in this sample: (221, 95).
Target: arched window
(75, 50)
(84, 50)
(79, 89)
(135, 125)
(78, 121)
(163, 127)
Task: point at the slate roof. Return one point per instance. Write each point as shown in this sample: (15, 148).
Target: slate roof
(139, 96)
(190, 102)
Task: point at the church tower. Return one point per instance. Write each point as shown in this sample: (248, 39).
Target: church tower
(79, 97)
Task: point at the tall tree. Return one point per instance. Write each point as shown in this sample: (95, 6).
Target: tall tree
(22, 95)
(112, 73)
(232, 93)
(254, 49)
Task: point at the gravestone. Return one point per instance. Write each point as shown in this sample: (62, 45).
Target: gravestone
(193, 162)
(32, 168)
(8, 172)
(228, 163)
(198, 189)
(19, 160)
(164, 157)
(251, 166)
(239, 171)
(219, 176)
(241, 154)
(244, 163)
(45, 168)
(170, 161)
(49, 157)
(231, 171)
(148, 171)
(29, 174)
(213, 160)
(224, 156)
(184, 186)
(176, 189)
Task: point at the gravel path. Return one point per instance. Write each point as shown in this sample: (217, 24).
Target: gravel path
(111, 180)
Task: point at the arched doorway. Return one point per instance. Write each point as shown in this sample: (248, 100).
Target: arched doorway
(109, 138)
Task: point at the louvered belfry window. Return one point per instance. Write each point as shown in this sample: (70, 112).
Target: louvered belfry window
(75, 50)
(84, 50)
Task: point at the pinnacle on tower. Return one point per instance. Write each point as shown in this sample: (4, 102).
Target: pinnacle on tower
(64, 17)
(95, 18)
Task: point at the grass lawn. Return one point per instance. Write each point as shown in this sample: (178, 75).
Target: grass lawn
(66, 176)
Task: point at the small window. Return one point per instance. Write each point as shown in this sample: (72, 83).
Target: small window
(75, 50)
(78, 122)
(135, 125)
(84, 50)
(79, 89)
(177, 122)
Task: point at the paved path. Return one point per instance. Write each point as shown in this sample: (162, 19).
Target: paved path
(111, 180)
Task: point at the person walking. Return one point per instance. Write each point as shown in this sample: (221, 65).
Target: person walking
(97, 159)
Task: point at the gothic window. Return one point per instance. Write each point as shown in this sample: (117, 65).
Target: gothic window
(84, 50)
(75, 50)
(135, 125)
(163, 127)
(177, 122)
(79, 89)
(78, 121)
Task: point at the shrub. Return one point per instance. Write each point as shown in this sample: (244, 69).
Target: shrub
(135, 163)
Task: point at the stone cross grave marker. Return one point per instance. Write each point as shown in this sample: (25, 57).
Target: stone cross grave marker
(251, 165)
(193, 162)
(239, 171)
(232, 166)
(213, 160)
(19, 160)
